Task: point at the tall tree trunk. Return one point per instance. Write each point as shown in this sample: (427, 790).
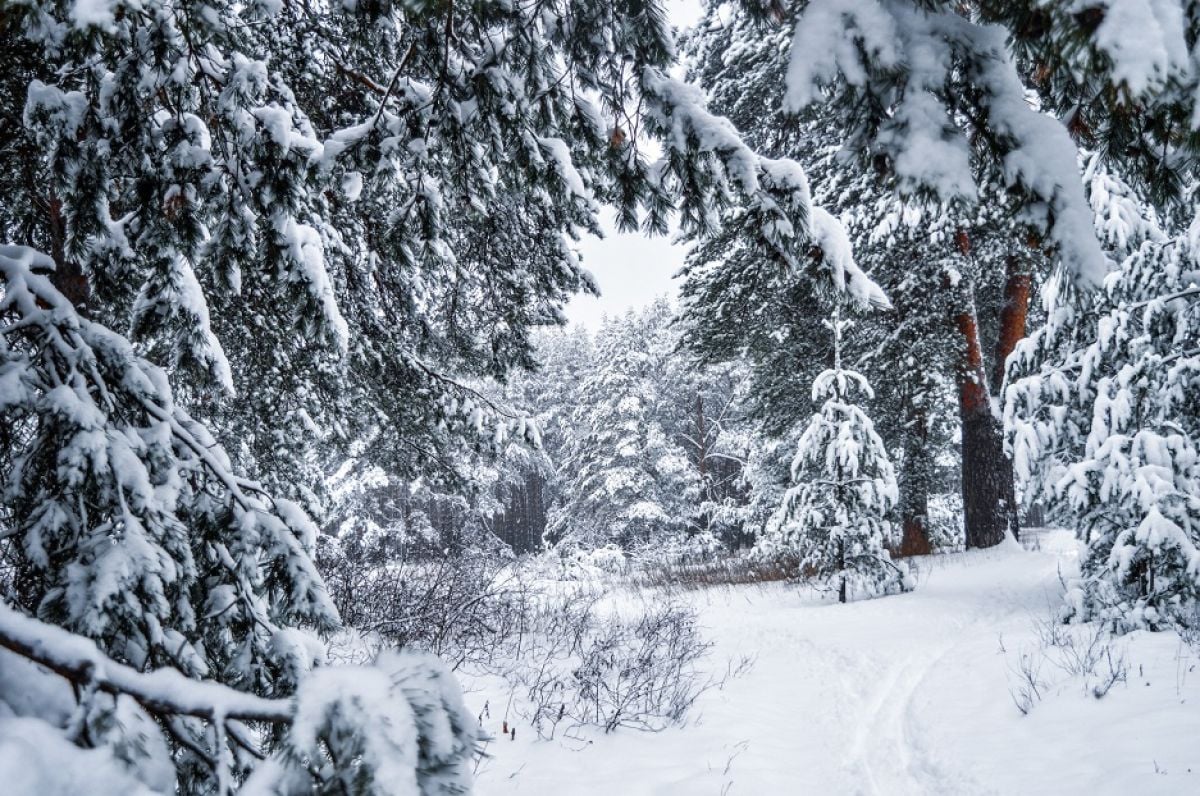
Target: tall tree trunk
(915, 480)
(917, 462)
(989, 510)
(1014, 315)
(537, 524)
(986, 472)
(701, 444)
(1018, 283)
(842, 558)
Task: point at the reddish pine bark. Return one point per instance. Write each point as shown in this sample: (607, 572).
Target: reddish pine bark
(915, 539)
(972, 384)
(1018, 284)
(989, 509)
(1014, 315)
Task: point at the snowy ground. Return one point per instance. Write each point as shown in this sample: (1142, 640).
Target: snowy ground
(908, 694)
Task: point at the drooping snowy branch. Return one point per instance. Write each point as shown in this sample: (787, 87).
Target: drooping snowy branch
(170, 579)
(774, 193)
(909, 79)
(165, 692)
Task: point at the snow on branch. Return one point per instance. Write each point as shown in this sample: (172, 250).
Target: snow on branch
(164, 691)
(775, 191)
(110, 429)
(923, 73)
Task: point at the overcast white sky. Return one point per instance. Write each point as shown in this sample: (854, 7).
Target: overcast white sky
(632, 270)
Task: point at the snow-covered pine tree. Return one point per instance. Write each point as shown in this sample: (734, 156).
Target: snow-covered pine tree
(835, 516)
(933, 95)
(626, 479)
(1123, 77)
(958, 274)
(1103, 422)
(763, 480)
(172, 603)
(343, 214)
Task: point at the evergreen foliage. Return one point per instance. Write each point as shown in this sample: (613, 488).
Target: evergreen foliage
(126, 524)
(626, 479)
(275, 267)
(1103, 421)
(835, 515)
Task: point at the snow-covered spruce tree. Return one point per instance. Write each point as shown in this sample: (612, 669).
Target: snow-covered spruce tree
(835, 516)
(699, 409)
(1103, 420)
(173, 604)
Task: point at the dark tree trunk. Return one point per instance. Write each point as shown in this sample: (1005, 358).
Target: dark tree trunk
(842, 558)
(987, 476)
(989, 510)
(915, 481)
(702, 464)
(917, 462)
(537, 513)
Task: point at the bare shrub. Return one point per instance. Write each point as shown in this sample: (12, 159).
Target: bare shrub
(1085, 651)
(702, 572)
(603, 669)
(1088, 653)
(1025, 685)
(573, 659)
(466, 608)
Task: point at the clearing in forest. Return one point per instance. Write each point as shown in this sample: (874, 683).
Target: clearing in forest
(915, 693)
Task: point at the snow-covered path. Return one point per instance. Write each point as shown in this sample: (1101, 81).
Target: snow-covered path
(909, 694)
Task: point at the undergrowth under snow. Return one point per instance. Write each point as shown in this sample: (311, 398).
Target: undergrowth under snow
(926, 692)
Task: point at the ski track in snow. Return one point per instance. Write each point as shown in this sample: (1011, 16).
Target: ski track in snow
(890, 754)
(902, 695)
